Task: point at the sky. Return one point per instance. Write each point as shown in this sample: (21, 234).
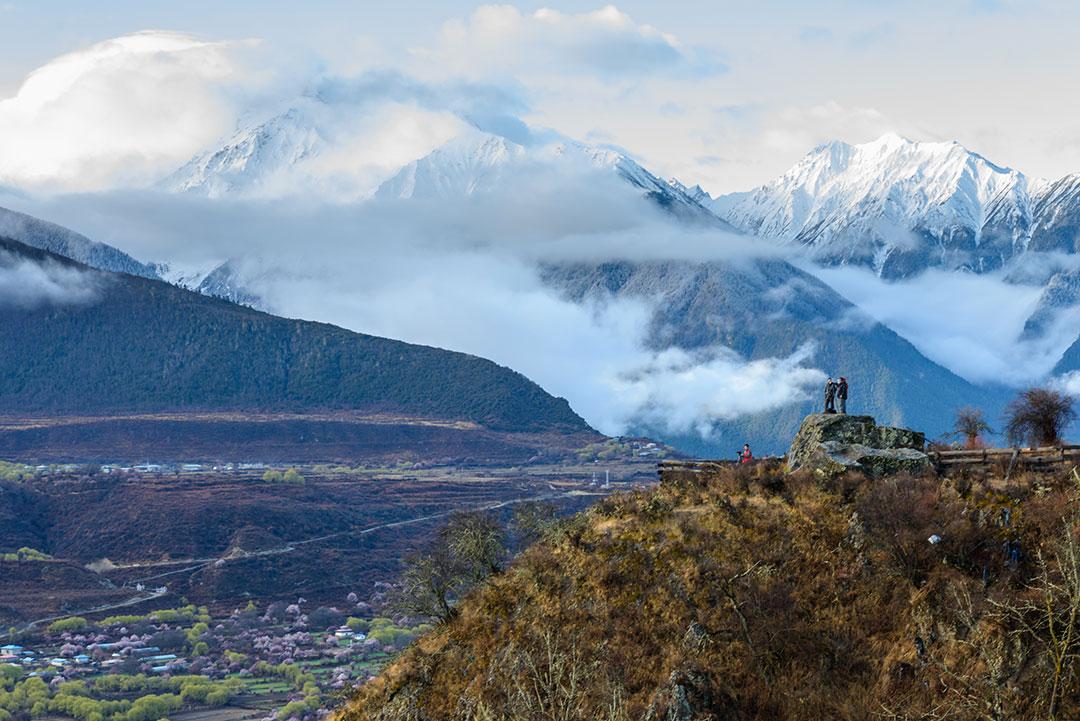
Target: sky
(726, 94)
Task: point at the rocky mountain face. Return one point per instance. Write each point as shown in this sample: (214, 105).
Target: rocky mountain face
(1056, 217)
(770, 309)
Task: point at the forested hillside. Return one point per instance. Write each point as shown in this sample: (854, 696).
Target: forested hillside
(128, 344)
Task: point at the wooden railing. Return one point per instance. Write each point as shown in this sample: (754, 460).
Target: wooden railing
(1011, 459)
(1028, 457)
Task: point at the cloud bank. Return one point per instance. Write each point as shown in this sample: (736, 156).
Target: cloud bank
(120, 111)
(463, 273)
(607, 43)
(971, 324)
(28, 284)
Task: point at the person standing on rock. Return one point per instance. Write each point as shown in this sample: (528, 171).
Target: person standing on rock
(830, 395)
(841, 394)
(745, 456)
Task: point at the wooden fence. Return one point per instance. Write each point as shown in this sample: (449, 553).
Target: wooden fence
(1040, 459)
(1010, 459)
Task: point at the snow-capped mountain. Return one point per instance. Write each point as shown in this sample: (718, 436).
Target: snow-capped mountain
(63, 241)
(254, 161)
(472, 162)
(1056, 222)
(894, 205)
(476, 162)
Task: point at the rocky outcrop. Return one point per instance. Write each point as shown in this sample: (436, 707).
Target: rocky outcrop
(832, 444)
(686, 697)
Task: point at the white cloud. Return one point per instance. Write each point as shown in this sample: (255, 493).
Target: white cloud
(795, 130)
(502, 41)
(971, 324)
(123, 110)
(682, 392)
(26, 283)
(1068, 383)
(463, 274)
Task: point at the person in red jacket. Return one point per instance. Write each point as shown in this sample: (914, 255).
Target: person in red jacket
(745, 456)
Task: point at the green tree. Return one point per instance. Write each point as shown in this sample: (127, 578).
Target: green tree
(71, 623)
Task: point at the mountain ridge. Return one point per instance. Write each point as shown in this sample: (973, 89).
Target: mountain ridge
(896, 206)
(145, 345)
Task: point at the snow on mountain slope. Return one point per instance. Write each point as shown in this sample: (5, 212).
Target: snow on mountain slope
(895, 205)
(60, 240)
(473, 161)
(476, 161)
(253, 160)
(1056, 222)
(334, 149)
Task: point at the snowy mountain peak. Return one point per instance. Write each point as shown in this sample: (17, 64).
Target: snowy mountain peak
(476, 161)
(251, 160)
(468, 163)
(894, 204)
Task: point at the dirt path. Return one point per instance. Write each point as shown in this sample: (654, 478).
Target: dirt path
(149, 596)
(290, 546)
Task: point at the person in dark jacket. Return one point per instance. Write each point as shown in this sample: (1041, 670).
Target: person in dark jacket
(830, 396)
(841, 394)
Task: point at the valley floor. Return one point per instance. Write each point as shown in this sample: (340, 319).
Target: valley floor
(139, 540)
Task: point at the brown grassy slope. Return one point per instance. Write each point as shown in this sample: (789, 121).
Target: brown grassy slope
(757, 596)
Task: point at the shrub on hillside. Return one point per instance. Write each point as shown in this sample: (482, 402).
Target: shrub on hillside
(723, 598)
(69, 624)
(1038, 416)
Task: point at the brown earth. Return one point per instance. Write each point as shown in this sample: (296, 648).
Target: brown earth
(220, 539)
(272, 438)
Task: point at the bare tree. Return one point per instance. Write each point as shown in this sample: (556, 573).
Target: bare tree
(1038, 415)
(465, 552)
(477, 541)
(429, 583)
(1051, 616)
(970, 425)
(532, 520)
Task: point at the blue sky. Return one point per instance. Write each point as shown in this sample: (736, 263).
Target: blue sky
(751, 87)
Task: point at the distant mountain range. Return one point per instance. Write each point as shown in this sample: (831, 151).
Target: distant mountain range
(900, 207)
(893, 206)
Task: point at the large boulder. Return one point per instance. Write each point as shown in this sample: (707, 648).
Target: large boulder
(832, 444)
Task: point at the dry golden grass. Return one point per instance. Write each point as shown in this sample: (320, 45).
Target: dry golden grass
(754, 595)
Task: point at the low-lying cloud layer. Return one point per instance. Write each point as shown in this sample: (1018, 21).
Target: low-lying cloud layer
(28, 284)
(971, 324)
(463, 274)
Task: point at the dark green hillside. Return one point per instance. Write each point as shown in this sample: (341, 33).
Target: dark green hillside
(146, 346)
